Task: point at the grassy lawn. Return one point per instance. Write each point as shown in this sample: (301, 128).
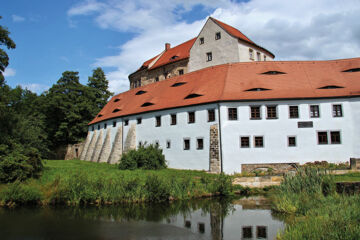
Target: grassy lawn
(349, 177)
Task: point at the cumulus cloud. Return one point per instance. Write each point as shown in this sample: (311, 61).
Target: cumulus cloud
(17, 18)
(35, 87)
(9, 72)
(292, 30)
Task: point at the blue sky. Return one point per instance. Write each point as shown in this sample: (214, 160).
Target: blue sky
(55, 36)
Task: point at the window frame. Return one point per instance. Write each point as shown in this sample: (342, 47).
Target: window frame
(212, 112)
(168, 144)
(126, 122)
(341, 110)
(114, 123)
(138, 120)
(172, 117)
(263, 141)
(331, 139)
(217, 35)
(184, 144)
(181, 72)
(231, 115)
(251, 112)
(318, 110)
(249, 142)
(258, 56)
(201, 40)
(267, 112)
(251, 54)
(197, 143)
(209, 57)
(288, 141)
(298, 112)
(158, 121)
(318, 139)
(191, 117)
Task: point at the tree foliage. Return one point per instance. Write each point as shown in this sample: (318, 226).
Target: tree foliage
(4, 58)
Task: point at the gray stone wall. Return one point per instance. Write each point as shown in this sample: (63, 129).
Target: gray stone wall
(215, 159)
(97, 149)
(116, 151)
(355, 163)
(86, 146)
(91, 148)
(106, 148)
(74, 151)
(276, 168)
(130, 141)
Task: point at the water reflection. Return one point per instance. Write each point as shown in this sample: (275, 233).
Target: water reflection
(215, 219)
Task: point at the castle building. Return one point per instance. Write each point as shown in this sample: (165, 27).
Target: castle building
(234, 111)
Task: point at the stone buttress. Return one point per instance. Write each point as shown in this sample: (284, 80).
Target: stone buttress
(116, 150)
(98, 146)
(86, 146)
(106, 147)
(91, 147)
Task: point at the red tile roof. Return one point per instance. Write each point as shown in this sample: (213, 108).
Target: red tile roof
(229, 82)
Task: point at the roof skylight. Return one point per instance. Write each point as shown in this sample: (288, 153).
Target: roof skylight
(178, 84)
(116, 110)
(272, 73)
(193, 95)
(330, 87)
(100, 115)
(140, 92)
(257, 89)
(147, 104)
(352, 70)
(117, 99)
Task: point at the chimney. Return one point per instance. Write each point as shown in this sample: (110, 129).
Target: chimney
(167, 46)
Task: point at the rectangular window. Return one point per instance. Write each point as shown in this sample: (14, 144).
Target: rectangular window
(217, 36)
(314, 111)
(114, 123)
(209, 56)
(186, 144)
(126, 122)
(247, 232)
(157, 143)
(232, 113)
(322, 138)
(261, 232)
(168, 144)
(202, 41)
(244, 142)
(211, 115)
(259, 141)
(105, 126)
(99, 127)
(264, 58)
(181, 71)
(294, 111)
(173, 119)
(92, 128)
(258, 56)
(337, 110)
(139, 120)
(335, 137)
(200, 143)
(292, 141)
(255, 112)
(158, 121)
(156, 79)
(191, 117)
(271, 112)
(251, 54)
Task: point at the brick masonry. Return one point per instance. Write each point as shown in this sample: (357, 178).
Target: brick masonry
(215, 159)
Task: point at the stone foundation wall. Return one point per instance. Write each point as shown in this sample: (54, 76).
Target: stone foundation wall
(355, 163)
(74, 150)
(276, 168)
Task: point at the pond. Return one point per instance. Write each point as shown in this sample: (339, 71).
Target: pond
(216, 219)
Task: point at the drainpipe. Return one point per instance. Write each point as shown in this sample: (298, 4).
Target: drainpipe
(221, 158)
(122, 136)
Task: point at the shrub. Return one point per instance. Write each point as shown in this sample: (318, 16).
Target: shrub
(223, 184)
(145, 157)
(157, 189)
(20, 194)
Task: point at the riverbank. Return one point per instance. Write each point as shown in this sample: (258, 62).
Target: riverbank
(76, 182)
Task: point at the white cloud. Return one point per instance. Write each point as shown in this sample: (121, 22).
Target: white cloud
(9, 72)
(292, 30)
(35, 87)
(17, 18)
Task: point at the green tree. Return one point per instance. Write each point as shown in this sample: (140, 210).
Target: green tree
(99, 87)
(4, 58)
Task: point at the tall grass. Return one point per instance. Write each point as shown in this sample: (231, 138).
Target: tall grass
(83, 184)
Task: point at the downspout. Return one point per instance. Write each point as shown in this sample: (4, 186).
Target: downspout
(221, 158)
(122, 136)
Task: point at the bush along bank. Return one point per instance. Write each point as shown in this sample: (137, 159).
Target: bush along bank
(315, 210)
(131, 186)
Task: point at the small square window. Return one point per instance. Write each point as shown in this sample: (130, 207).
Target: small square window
(99, 127)
(337, 110)
(202, 41)
(247, 232)
(168, 144)
(201, 227)
(157, 143)
(293, 111)
(322, 138)
(156, 79)
(217, 36)
(244, 142)
(158, 121)
(114, 123)
(126, 122)
(92, 128)
(105, 126)
(139, 120)
(259, 141)
(232, 113)
(292, 141)
(200, 143)
(211, 115)
(261, 232)
(255, 112)
(191, 117)
(186, 144)
(271, 112)
(209, 56)
(173, 119)
(335, 137)
(181, 71)
(314, 111)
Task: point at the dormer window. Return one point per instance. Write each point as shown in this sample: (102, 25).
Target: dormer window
(140, 92)
(202, 41)
(257, 89)
(100, 115)
(147, 104)
(117, 99)
(116, 110)
(181, 71)
(330, 87)
(272, 72)
(174, 57)
(193, 95)
(217, 36)
(352, 70)
(178, 84)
